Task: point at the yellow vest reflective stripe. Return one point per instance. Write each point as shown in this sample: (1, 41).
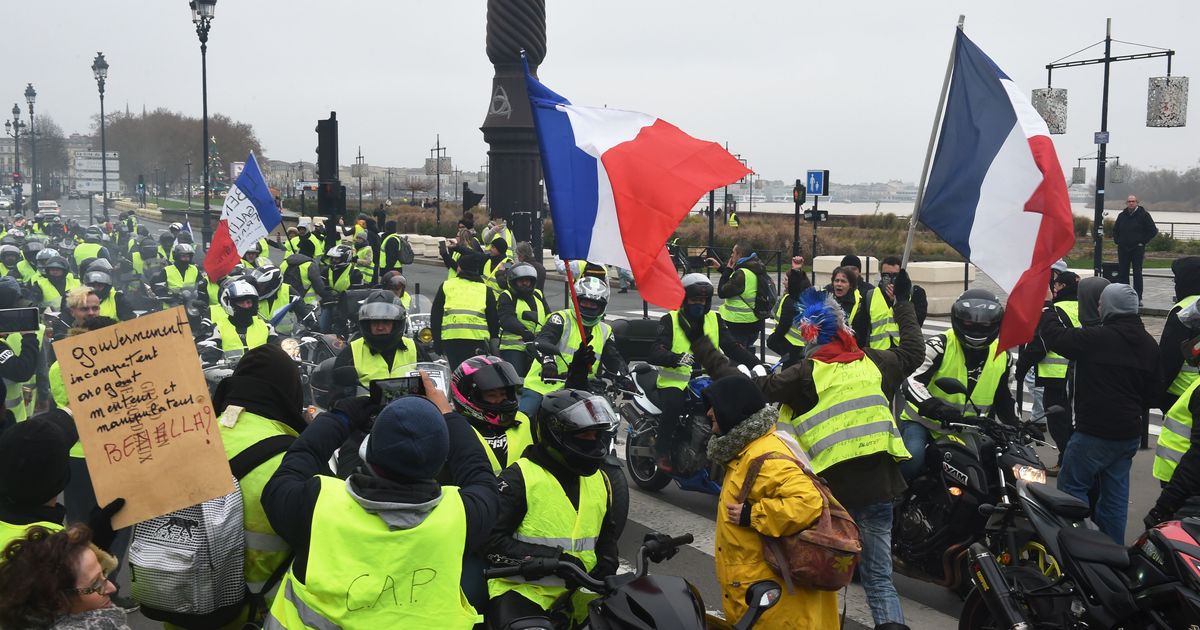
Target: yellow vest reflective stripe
(1176, 435)
(265, 550)
(10, 532)
(342, 281)
(885, 333)
(1054, 365)
(793, 332)
(519, 437)
(568, 343)
(177, 281)
(256, 333)
(362, 573)
(852, 417)
(267, 308)
(51, 296)
(678, 377)
(463, 316)
(489, 273)
(84, 251)
(739, 309)
(372, 367)
(1187, 373)
(551, 520)
(533, 318)
(954, 365)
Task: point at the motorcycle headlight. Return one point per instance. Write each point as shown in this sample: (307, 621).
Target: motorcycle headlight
(1032, 474)
(425, 335)
(291, 347)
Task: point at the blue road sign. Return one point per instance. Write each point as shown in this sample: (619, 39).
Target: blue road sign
(817, 183)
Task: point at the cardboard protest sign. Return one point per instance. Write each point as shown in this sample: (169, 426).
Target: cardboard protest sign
(145, 419)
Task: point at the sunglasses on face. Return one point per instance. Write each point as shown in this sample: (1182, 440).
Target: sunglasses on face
(99, 586)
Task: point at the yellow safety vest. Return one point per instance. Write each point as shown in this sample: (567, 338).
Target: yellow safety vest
(452, 271)
(1054, 365)
(885, 333)
(370, 366)
(362, 573)
(10, 532)
(342, 282)
(51, 296)
(733, 220)
(292, 245)
(852, 417)
(257, 333)
(532, 316)
(177, 281)
(678, 377)
(520, 436)
(84, 251)
(463, 315)
(305, 282)
(1176, 436)
(25, 272)
(489, 273)
(739, 309)
(954, 365)
(267, 308)
(551, 520)
(396, 264)
(265, 550)
(58, 391)
(793, 335)
(568, 342)
(14, 392)
(1187, 373)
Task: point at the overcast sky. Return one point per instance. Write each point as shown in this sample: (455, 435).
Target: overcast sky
(791, 85)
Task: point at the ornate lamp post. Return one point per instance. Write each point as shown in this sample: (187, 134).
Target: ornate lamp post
(203, 12)
(13, 128)
(30, 98)
(100, 70)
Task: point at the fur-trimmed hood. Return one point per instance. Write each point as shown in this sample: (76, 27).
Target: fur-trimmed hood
(722, 448)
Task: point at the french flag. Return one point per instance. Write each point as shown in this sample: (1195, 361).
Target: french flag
(996, 192)
(248, 215)
(619, 183)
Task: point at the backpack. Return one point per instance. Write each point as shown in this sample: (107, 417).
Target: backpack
(406, 251)
(766, 297)
(821, 557)
(187, 568)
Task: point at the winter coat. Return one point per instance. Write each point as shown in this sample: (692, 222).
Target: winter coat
(782, 501)
(110, 618)
(1134, 229)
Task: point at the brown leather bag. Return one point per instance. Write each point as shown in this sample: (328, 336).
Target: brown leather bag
(823, 555)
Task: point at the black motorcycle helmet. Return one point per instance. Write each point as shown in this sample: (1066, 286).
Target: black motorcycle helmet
(148, 247)
(32, 248)
(480, 374)
(267, 280)
(100, 281)
(975, 318)
(381, 305)
(575, 429)
(522, 279)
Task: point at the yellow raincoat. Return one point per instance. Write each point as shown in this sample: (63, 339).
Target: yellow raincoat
(783, 501)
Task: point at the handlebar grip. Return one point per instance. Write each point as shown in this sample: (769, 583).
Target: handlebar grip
(685, 539)
(501, 572)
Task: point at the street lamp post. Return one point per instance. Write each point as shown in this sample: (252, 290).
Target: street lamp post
(13, 128)
(438, 151)
(100, 70)
(203, 12)
(188, 164)
(30, 98)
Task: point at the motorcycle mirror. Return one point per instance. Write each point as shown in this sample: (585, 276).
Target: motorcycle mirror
(345, 376)
(951, 385)
(763, 594)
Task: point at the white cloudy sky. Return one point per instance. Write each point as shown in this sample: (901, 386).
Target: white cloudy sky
(790, 84)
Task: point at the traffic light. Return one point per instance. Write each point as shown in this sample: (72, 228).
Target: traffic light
(470, 198)
(16, 177)
(327, 198)
(799, 192)
(327, 148)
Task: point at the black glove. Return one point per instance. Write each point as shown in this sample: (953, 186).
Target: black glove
(580, 369)
(360, 411)
(1154, 517)
(549, 367)
(940, 410)
(902, 287)
(100, 522)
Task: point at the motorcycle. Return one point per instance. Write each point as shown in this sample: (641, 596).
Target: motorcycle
(419, 327)
(940, 514)
(637, 600)
(691, 469)
(1152, 584)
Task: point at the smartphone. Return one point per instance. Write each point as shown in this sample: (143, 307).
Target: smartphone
(19, 320)
(386, 390)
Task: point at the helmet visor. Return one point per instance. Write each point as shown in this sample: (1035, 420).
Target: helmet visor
(500, 375)
(591, 413)
(373, 311)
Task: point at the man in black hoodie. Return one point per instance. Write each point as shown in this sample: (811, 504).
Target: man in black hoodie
(1116, 381)
(1133, 229)
(1177, 374)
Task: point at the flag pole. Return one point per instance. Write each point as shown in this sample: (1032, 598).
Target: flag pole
(575, 300)
(937, 123)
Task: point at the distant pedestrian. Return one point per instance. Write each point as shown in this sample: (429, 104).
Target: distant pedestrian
(1133, 230)
(524, 253)
(1116, 381)
(625, 280)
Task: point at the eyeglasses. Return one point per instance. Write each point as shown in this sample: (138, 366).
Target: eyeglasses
(99, 586)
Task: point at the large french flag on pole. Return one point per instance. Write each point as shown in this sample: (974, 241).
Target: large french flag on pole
(619, 183)
(996, 192)
(249, 214)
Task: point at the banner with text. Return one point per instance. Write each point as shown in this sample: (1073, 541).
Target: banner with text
(145, 420)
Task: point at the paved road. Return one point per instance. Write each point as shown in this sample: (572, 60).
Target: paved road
(675, 511)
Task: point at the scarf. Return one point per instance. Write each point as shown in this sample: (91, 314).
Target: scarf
(722, 448)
